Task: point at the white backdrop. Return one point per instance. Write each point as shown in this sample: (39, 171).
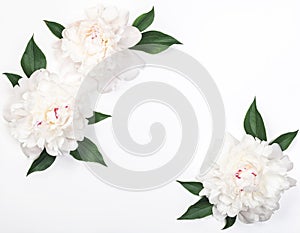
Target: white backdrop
(251, 48)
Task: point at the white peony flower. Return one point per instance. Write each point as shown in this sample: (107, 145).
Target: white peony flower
(104, 32)
(247, 180)
(42, 114)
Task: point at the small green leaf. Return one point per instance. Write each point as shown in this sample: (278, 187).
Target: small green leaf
(192, 187)
(13, 78)
(154, 42)
(87, 151)
(229, 222)
(254, 124)
(285, 140)
(33, 58)
(43, 162)
(144, 20)
(200, 209)
(97, 116)
(55, 28)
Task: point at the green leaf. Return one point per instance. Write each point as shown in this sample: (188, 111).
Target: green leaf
(285, 140)
(254, 124)
(229, 222)
(55, 28)
(33, 58)
(43, 162)
(192, 187)
(151, 49)
(97, 116)
(13, 78)
(154, 42)
(144, 20)
(87, 151)
(200, 209)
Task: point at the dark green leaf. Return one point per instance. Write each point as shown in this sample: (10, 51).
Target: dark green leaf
(155, 37)
(55, 28)
(192, 187)
(254, 124)
(87, 151)
(97, 116)
(43, 162)
(229, 222)
(144, 20)
(33, 58)
(13, 78)
(155, 42)
(285, 140)
(200, 209)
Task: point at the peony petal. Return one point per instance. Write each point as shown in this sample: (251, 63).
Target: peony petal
(33, 152)
(94, 12)
(263, 213)
(286, 163)
(232, 212)
(229, 142)
(217, 214)
(109, 14)
(225, 199)
(292, 181)
(276, 152)
(131, 36)
(204, 192)
(248, 217)
(122, 19)
(69, 145)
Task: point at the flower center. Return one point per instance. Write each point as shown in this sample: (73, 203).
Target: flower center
(97, 35)
(94, 32)
(246, 178)
(53, 115)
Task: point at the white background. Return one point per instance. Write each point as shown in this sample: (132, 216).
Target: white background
(251, 48)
